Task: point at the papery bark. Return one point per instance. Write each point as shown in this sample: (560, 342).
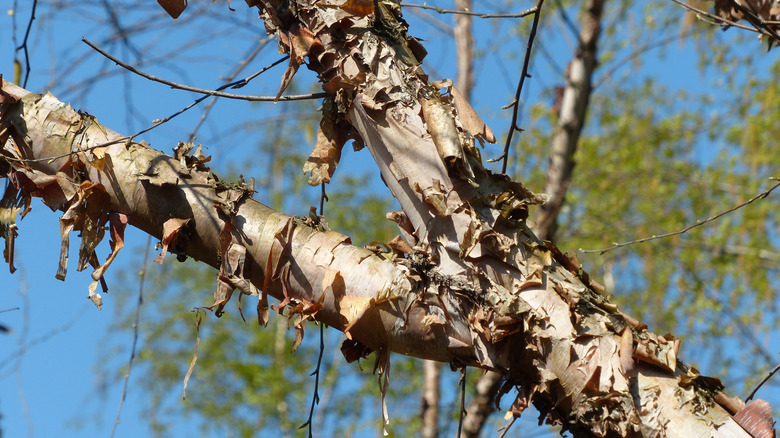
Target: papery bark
(478, 289)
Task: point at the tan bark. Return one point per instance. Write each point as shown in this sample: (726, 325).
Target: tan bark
(464, 47)
(430, 399)
(571, 119)
(479, 289)
(571, 116)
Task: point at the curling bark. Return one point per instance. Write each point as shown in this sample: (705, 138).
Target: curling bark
(477, 288)
(573, 108)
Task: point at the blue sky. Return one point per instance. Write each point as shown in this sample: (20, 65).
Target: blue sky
(51, 389)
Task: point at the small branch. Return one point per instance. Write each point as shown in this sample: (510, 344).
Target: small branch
(135, 333)
(702, 15)
(761, 195)
(235, 84)
(513, 127)
(761, 383)
(506, 428)
(23, 46)
(636, 53)
(462, 399)
(249, 98)
(316, 397)
(473, 14)
(241, 66)
(567, 20)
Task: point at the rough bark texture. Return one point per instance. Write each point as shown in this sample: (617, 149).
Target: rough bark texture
(478, 288)
(571, 119)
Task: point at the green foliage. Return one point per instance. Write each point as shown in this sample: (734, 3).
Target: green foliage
(654, 157)
(648, 165)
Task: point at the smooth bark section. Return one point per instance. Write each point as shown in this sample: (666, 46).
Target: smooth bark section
(430, 399)
(482, 404)
(464, 45)
(571, 117)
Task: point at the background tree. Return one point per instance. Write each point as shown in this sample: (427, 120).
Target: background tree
(643, 202)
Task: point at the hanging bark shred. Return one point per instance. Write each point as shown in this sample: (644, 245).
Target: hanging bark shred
(300, 42)
(198, 320)
(756, 418)
(327, 152)
(171, 229)
(509, 303)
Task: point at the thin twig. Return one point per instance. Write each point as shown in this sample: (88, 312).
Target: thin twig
(23, 46)
(249, 98)
(236, 84)
(567, 20)
(700, 14)
(756, 20)
(473, 14)
(516, 103)
(316, 396)
(761, 383)
(462, 383)
(23, 337)
(241, 66)
(639, 51)
(761, 195)
(323, 200)
(135, 333)
(505, 429)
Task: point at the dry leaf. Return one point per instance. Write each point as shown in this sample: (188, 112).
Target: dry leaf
(174, 8)
(300, 41)
(359, 8)
(325, 157)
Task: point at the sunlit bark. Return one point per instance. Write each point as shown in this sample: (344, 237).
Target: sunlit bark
(477, 289)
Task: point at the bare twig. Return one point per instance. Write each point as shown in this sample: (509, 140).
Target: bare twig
(235, 84)
(761, 383)
(506, 428)
(761, 195)
(640, 51)
(23, 46)
(241, 66)
(323, 200)
(516, 103)
(567, 20)
(198, 320)
(249, 98)
(756, 20)
(473, 14)
(23, 336)
(704, 16)
(135, 332)
(315, 399)
(462, 412)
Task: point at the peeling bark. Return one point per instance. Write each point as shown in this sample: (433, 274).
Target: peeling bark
(478, 289)
(571, 119)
